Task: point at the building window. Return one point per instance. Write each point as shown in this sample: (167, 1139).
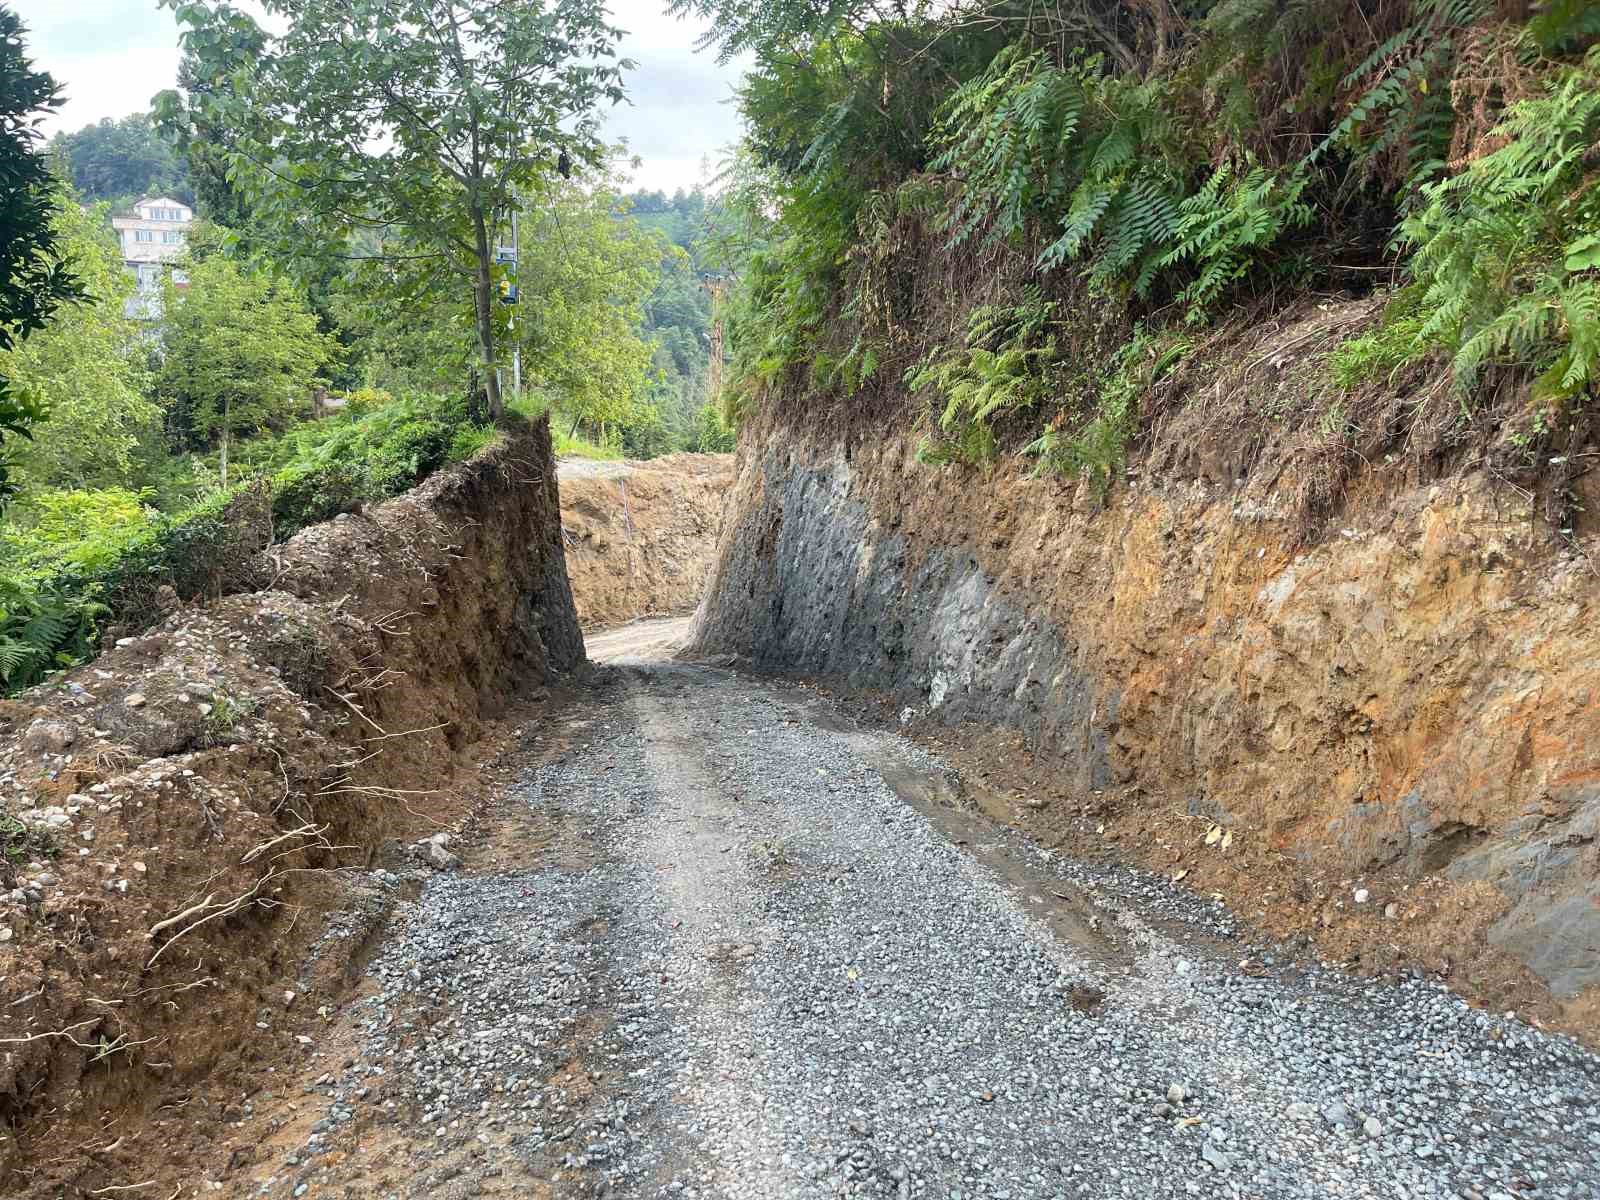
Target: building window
(172, 238)
(143, 235)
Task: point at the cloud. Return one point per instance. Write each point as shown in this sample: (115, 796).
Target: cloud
(112, 56)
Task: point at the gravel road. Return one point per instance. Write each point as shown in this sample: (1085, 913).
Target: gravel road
(724, 944)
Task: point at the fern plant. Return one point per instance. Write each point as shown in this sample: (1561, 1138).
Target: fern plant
(1099, 162)
(1002, 368)
(1401, 101)
(1096, 158)
(1229, 224)
(1097, 447)
(1507, 252)
(42, 631)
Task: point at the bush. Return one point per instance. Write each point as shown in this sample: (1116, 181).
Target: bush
(58, 594)
(78, 561)
(371, 450)
(712, 434)
(57, 530)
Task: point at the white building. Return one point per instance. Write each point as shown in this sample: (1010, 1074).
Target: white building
(150, 240)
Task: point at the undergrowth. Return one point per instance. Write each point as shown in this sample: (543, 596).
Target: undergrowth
(74, 563)
(1162, 165)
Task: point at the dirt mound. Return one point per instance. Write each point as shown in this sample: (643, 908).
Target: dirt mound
(1393, 722)
(177, 816)
(641, 536)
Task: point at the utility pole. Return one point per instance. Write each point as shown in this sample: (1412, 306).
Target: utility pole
(516, 269)
(511, 257)
(716, 287)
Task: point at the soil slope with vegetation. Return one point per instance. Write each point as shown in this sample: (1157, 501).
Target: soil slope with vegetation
(1200, 398)
(181, 814)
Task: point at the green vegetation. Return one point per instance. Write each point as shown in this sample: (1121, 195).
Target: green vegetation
(337, 327)
(1025, 218)
(19, 843)
(122, 162)
(85, 372)
(34, 278)
(240, 351)
(74, 561)
(339, 118)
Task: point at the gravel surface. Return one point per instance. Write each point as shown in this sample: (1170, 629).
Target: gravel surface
(739, 963)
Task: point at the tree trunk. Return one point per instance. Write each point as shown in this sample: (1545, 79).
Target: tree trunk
(483, 297)
(226, 423)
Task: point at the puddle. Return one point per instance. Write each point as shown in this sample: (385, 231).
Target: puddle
(968, 817)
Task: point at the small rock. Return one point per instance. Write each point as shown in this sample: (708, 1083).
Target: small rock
(441, 859)
(1372, 1127)
(1336, 1114)
(50, 737)
(1176, 1094)
(1218, 1160)
(1361, 895)
(5, 933)
(135, 700)
(1391, 910)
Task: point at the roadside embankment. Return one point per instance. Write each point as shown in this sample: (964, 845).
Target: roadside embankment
(1382, 734)
(641, 536)
(179, 814)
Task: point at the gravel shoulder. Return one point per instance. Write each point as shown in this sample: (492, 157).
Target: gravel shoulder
(718, 941)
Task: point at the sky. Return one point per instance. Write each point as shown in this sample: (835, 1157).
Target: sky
(111, 56)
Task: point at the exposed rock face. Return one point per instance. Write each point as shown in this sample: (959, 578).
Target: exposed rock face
(641, 536)
(194, 791)
(1415, 694)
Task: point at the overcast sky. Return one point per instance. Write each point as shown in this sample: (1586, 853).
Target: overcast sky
(111, 56)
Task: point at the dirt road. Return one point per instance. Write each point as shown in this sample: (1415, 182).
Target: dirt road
(641, 641)
(720, 942)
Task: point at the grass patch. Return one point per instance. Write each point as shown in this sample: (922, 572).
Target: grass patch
(19, 843)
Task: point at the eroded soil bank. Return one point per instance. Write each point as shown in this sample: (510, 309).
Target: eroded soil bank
(1386, 738)
(641, 536)
(182, 815)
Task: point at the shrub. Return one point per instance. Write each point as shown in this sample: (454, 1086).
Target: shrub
(79, 561)
(1507, 253)
(59, 592)
(1002, 369)
(1506, 262)
(1099, 445)
(60, 529)
(374, 449)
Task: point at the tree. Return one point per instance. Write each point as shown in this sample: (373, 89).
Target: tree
(86, 373)
(584, 277)
(122, 161)
(420, 119)
(34, 279)
(240, 352)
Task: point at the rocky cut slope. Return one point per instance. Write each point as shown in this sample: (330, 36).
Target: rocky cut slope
(1382, 731)
(641, 536)
(180, 815)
